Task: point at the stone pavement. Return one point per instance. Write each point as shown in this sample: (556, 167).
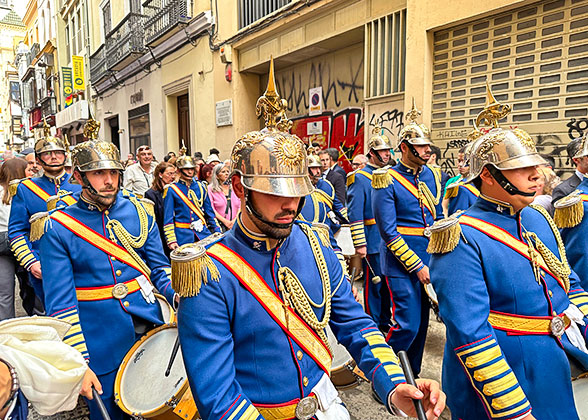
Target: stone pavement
(359, 400)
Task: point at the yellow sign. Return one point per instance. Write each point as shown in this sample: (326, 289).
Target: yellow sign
(78, 71)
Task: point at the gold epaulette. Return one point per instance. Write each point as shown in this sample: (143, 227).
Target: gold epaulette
(149, 206)
(38, 223)
(350, 178)
(451, 191)
(191, 267)
(54, 199)
(381, 178)
(569, 211)
(443, 235)
(13, 186)
(322, 230)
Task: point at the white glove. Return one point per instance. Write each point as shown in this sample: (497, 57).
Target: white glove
(146, 289)
(197, 225)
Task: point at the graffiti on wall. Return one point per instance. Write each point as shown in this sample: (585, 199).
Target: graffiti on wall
(391, 121)
(342, 130)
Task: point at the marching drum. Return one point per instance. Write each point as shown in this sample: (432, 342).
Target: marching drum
(344, 372)
(432, 298)
(345, 241)
(169, 315)
(141, 388)
(580, 387)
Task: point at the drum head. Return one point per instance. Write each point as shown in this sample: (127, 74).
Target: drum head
(340, 354)
(580, 387)
(431, 293)
(141, 384)
(166, 309)
(345, 241)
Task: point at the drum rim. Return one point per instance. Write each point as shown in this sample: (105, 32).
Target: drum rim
(117, 382)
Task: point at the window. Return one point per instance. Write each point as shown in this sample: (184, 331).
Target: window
(15, 92)
(386, 54)
(74, 47)
(106, 18)
(79, 33)
(67, 44)
(139, 132)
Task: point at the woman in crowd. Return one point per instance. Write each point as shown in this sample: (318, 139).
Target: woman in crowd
(205, 173)
(547, 182)
(164, 174)
(225, 203)
(11, 169)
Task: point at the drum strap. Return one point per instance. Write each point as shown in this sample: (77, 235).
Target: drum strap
(283, 315)
(193, 207)
(99, 241)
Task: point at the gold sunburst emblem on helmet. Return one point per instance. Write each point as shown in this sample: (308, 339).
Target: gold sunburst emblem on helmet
(289, 152)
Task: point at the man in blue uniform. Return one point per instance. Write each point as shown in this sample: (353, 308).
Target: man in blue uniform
(460, 195)
(406, 200)
(103, 256)
(31, 197)
(570, 216)
(187, 213)
(365, 235)
(256, 302)
(511, 305)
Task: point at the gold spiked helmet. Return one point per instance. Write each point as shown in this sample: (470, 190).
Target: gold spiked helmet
(583, 148)
(185, 162)
(272, 161)
(94, 154)
(413, 132)
(49, 143)
(500, 147)
(378, 140)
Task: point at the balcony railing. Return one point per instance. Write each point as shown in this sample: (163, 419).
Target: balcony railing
(124, 41)
(98, 67)
(253, 10)
(161, 16)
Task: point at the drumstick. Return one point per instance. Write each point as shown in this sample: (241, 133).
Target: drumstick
(375, 279)
(173, 356)
(100, 404)
(418, 404)
(352, 277)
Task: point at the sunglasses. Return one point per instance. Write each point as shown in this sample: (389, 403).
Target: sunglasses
(142, 149)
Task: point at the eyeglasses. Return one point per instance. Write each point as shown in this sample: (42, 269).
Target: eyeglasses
(355, 165)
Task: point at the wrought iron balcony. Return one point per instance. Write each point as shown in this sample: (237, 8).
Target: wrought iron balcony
(164, 17)
(125, 41)
(253, 10)
(98, 66)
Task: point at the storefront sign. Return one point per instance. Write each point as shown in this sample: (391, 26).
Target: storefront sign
(67, 83)
(78, 72)
(137, 97)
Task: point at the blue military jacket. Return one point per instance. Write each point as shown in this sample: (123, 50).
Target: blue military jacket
(401, 217)
(491, 372)
(359, 209)
(318, 208)
(30, 199)
(461, 196)
(103, 329)
(576, 240)
(177, 215)
(236, 355)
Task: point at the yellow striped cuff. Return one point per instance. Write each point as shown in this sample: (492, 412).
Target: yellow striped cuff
(404, 254)
(580, 299)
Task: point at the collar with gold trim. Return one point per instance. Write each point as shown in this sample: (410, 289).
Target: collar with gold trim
(497, 205)
(256, 241)
(58, 180)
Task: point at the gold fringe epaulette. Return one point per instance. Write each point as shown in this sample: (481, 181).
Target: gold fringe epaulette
(149, 206)
(350, 178)
(381, 178)
(13, 186)
(191, 267)
(569, 211)
(38, 223)
(443, 235)
(322, 230)
(451, 191)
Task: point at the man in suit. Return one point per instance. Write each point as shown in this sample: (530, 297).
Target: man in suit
(333, 173)
(581, 162)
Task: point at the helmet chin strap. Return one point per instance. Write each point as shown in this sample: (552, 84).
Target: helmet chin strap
(505, 183)
(415, 153)
(251, 209)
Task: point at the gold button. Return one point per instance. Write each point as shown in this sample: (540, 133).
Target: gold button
(542, 272)
(126, 304)
(278, 254)
(113, 259)
(106, 212)
(305, 381)
(554, 313)
(299, 355)
(118, 272)
(550, 293)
